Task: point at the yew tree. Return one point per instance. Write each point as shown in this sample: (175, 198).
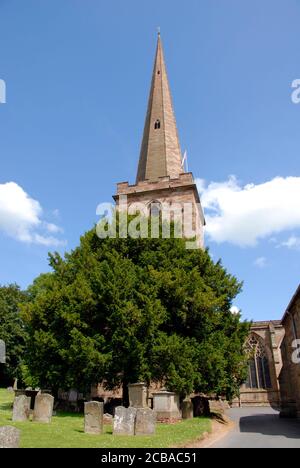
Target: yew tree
(120, 311)
(12, 332)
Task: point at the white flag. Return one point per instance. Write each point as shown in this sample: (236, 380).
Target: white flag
(184, 160)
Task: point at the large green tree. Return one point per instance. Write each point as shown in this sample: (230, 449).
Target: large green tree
(123, 310)
(12, 331)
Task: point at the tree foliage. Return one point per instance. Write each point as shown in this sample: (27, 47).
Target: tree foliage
(127, 310)
(12, 331)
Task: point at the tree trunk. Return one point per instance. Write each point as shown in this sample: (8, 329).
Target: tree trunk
(125, 395)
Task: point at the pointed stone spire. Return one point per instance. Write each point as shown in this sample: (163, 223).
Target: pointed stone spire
(160, 151)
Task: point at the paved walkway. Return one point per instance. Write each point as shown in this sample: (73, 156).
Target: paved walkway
(260, 428)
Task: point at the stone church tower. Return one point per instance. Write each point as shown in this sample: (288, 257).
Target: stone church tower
(161, 179)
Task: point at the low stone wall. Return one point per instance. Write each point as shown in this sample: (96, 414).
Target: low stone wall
(251, 397)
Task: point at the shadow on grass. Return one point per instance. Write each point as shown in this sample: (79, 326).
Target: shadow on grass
(63, 414)
(6, 406)
(107, 432)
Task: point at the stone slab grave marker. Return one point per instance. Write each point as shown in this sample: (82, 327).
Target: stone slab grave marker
(93, 417)
(138, 395)
(73, 395)
(9, 437)
(2, 352)
(145, 421)
(21, 408)
(43, 408)
(216, 407)
(187, 409)
(124, 421)
(166, 405)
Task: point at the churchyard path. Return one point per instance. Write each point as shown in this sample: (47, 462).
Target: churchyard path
(260, 428)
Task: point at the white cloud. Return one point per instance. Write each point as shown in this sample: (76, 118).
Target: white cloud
(21, 217)
(49, 241)
(242, 215)
(53, 228)
(260, 262)
(293, 242)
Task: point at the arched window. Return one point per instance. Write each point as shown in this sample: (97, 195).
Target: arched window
(259, 371)
(157, 124)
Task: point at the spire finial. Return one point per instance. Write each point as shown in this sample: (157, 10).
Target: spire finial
(158, 30)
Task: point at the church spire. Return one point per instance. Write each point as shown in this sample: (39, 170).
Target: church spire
(160, 151)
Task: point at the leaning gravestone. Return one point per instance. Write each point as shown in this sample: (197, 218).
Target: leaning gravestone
(216, 407)
(21, 409)
(124, 421)
(43, 408)
(145, 421)
(9, 437)
(93, 417)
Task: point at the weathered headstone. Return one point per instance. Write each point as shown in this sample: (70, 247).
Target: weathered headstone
(145, 421)
(167, 406)
(43, 408)
(73, 395)
(187, 409)
(107, 418)
(138, 395)
(216, 407)
(2, 352)
(21, 409)
(9, 437)
(124, 420)
(93, 417)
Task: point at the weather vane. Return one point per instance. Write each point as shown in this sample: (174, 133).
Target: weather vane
(158, 30)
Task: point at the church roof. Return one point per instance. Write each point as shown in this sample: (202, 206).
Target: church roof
(291, 304)
(160, 154)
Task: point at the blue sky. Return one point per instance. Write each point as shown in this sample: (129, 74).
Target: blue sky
(78, 73)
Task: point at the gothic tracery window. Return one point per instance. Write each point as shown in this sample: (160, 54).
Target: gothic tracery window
(157, 124)
(259, 370)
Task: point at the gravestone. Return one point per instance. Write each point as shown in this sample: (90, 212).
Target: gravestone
(73, 395)
(216, 407)
(108, 418)
(187, 409)
(124, 420)
(43, 408)
(138, 395)
(93, 417)
(166, 405)
(145, 421)
(21, 409)
(9, 437)
(2, 352)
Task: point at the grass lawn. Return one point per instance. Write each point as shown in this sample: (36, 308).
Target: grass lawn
(66, 430)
